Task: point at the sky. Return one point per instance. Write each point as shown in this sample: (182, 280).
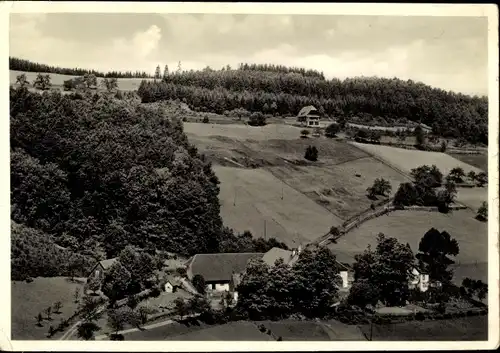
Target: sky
(445, 52)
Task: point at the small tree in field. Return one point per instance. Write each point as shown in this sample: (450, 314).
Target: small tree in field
(110, 83)
(472, 175)
(311, 153)
(42, 82)
(90, 80)
(457, 175)
(482, 212)
(419, 136)
(22, 80)
(57, 307)
(48, 313)
(481, 179)
(94, 284)
(305, 133)
(379, 187)
(39, 320)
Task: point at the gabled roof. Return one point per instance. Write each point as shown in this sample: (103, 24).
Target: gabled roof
(108, 263)
(173, 280)
(220, 267)
(308, 110)
(274, 254)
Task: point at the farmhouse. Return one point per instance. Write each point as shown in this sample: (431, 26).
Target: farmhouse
(425, 128)
(288, 257)
(309, 116)
(98, 270)
(218, 269)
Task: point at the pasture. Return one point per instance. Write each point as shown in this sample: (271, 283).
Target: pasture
(410, 226)
(405, 160)
(57, 80)
(472, 197)
(477, 160)
(29, 299)
(243, 132)
(251, 200)
(341, 188)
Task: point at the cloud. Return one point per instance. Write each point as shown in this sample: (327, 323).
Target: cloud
(135, 53)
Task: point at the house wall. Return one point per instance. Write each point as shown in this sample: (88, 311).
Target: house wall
(169, 288)
(218, 286)
(345, 279)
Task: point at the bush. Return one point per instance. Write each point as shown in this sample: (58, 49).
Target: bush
(205, 120)
(116, 337)
(420, 316)
(305, 133)
(332, 130)
(311, 153)
(257, 119)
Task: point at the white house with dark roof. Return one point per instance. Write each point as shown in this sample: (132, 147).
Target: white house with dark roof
(309, 116)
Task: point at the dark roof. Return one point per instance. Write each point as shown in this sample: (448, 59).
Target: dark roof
(308, 110)
(220, 267)
(274, 254)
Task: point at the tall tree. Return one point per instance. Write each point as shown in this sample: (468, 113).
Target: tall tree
(435, 249)
(387, 268)
(158, 72)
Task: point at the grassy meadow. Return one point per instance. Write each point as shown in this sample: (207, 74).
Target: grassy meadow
(29, 299)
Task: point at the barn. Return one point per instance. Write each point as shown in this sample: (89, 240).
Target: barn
(309, 116)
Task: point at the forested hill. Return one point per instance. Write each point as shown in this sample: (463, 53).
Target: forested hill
(280, 91)
(30, 66)
(104, 173)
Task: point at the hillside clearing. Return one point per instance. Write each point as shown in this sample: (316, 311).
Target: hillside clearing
(406, 160)
(57, 80)
(410, 226)
(339, 188)
(472, 197)
(251, 200)
(29, 299)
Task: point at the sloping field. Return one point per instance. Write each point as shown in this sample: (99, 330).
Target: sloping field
(406, 160)
(233, 331)
(243, 132)
(477, 160)
(473, 328)
(29, 299)
(251, 200)
(340, 188)
(410, 226)
(57, 80)
(472, 197)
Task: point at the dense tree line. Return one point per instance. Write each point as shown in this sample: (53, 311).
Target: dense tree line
(309, 287)
(99, 173)
(30, 66)
(450, 114)
(33, 254)
(280, 69)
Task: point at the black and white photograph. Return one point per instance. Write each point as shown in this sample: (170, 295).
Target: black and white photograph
(255, 173)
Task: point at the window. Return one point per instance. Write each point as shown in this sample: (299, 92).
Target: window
(97, 273)
(213, 286)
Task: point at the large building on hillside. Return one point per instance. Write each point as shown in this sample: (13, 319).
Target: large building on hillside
(309, 116)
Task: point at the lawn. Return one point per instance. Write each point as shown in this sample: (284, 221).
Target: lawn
(233, 331)
(340, 188)
(251, 200)
(477, 160)
(410, 226)
(462, 329)
(165, 332)
(405, 160)
(57, 80)
(29, 299)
